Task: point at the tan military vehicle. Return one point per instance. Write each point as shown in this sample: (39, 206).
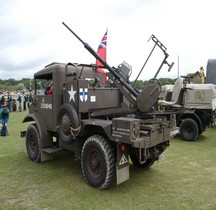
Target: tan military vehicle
(194, 105)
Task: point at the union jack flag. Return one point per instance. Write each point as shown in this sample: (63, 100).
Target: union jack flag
(102, 52)
(103, 41)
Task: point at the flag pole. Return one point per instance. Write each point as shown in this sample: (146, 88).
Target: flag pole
(178, 66)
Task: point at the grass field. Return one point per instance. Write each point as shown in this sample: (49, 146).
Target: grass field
(184, 178)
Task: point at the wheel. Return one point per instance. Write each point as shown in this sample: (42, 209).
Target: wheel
(189, 129)
(67, 123)
(33, 143)
(135, 160)
(98, 162)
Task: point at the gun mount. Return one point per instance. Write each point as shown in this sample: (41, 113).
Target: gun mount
(142, 102)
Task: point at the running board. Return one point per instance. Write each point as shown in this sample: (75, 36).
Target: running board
(51, 150)
(47, 153)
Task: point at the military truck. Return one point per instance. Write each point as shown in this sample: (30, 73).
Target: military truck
(194, 105)
(103, 126)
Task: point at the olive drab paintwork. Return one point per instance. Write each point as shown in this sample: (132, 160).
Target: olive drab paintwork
(102, 125)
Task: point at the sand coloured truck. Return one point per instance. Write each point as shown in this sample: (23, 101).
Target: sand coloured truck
(194, 105)
(103, 126)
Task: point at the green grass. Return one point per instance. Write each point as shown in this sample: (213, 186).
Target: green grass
(184, 178)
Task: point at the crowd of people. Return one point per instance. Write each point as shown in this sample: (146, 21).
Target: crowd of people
(8, 104)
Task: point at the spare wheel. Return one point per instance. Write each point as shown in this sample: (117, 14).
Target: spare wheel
(67, 123)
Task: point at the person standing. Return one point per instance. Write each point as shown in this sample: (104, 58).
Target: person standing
(4, 117)
(30, 99)
(9, 100)
(19, 99)
(2, 100)
(25, 102)
(202, 75)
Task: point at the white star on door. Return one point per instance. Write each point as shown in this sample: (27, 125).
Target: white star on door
(72, 93)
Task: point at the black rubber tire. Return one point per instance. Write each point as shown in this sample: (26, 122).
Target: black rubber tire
(135, 160)
(33, 143)
(98, 162)
(67, 118)
(189, 130)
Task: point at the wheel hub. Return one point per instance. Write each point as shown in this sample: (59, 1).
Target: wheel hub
(65, 124)
(95, 164)
(32, 145)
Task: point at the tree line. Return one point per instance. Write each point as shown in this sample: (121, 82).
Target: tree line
(27, 84)
(140, 84)
(16, 85)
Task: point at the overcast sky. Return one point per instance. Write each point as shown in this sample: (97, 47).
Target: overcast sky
(32, 34)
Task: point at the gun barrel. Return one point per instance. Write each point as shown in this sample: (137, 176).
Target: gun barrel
(73, 32)
(110, 69)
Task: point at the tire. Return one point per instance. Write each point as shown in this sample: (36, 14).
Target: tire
(189, 130)
(67, 119)
(33, 143)
(98, 162)
(135, 160)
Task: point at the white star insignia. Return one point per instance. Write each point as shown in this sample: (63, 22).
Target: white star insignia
(72, 93)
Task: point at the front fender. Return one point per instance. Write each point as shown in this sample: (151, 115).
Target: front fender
(96, 126)
(45, 137)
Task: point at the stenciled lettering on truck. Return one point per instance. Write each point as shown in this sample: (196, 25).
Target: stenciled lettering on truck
(45, 105)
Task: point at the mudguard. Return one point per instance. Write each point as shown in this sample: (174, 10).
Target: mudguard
(88, 126)
(45, 138)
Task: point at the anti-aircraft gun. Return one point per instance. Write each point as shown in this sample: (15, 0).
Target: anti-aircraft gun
(103, 126)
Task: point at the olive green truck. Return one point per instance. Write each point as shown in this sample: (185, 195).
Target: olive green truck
(103, 125)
